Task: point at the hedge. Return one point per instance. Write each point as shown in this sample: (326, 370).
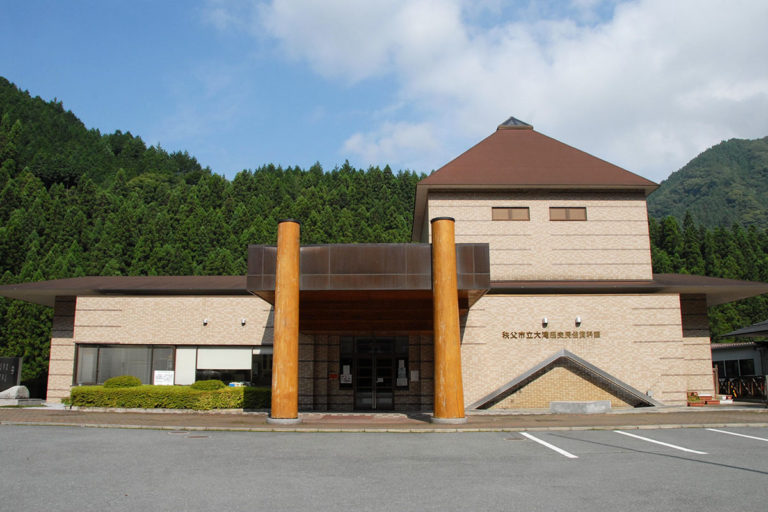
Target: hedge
(123, 381)
(170, 397)
(205, 385)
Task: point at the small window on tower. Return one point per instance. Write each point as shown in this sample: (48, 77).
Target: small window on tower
(568, 213)
(511, 213)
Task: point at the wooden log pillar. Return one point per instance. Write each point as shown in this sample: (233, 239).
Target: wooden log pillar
(449, 389)
(285, 361)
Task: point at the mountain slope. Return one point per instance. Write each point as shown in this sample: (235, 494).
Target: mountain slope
(726, 184)
(57, 147)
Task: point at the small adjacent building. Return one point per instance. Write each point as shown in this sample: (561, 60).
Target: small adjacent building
(744, 359)
(737, 360)
(552, 292)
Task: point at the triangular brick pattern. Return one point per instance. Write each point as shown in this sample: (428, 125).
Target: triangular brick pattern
(562, 377)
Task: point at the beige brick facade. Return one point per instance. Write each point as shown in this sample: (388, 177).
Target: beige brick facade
(655, 343)
(157, 320)
(612, 243)
(637, 339)
(141, 320)
(697, 358)
(62, 355)
(178, 321)
(559, 384)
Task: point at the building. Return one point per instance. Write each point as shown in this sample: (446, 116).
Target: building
(547, 295)
(736, 360)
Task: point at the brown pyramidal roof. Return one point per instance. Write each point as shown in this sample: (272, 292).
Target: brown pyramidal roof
(516, 155)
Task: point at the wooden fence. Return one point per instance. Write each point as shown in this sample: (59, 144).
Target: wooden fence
(743, 387)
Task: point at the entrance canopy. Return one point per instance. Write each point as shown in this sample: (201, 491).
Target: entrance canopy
(369, 287)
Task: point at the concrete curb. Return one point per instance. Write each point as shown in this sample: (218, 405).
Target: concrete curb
(469, 413)
(373, 430)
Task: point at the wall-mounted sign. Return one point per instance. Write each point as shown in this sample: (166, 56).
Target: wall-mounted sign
(402, 374)
(549, 335)
(163, 378)
(10, 372)
(346, 375)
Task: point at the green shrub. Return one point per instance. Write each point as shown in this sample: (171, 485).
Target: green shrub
(208, 385)
(256, 398)
(123, 381)
(171, 397)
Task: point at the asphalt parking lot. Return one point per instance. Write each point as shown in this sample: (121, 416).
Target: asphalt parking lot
(74, 468)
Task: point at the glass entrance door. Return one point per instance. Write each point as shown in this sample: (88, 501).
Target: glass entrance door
(374, 373)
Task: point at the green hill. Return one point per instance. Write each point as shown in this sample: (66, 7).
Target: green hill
(726, 184)
(54, 145)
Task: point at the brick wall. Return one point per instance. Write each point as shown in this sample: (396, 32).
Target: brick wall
(62, 358)
(151, 321)
(640, 341)
(612, 244)
(643, 340)
(559, 384)
(697, 356)
(174, 320)
(306, 371)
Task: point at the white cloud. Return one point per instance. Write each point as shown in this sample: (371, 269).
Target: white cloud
(227, 15)
(341, 40)
(394, 142)
(646, 84)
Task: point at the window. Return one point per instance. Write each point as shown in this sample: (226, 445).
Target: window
(568, 213)
(96, 364)
(225, 376)
(262, 369)
(747, 366)
(235, 364)
(511, 213)
(128, 360)
(87, 358)
(732, 368)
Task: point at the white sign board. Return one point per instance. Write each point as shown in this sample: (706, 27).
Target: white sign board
(163, 378)
(346, 375)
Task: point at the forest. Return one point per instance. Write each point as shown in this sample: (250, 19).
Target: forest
(75, 202)
(726, 184)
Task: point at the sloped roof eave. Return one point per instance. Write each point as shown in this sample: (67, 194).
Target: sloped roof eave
(716, 290)
(759, 329)
(527, 157)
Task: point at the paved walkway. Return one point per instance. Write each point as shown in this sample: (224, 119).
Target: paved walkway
(662, 417)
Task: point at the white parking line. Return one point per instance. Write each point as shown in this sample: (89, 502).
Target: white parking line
(735, 434)
(659, 442)
(550, 446)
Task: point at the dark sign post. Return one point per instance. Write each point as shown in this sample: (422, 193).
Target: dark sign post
(10, 372)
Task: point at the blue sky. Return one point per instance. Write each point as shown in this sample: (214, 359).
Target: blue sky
(645, 84)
